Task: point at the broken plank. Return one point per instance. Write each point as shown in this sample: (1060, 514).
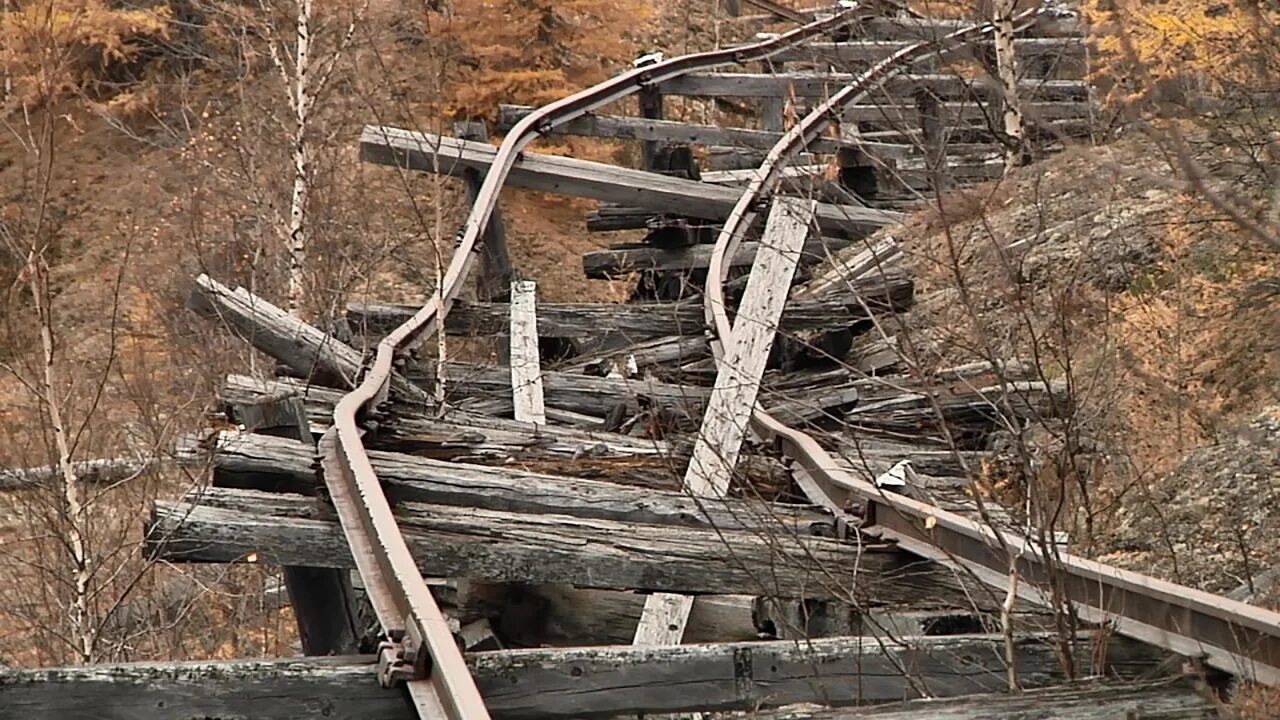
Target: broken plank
(572, 683)
(307, 351)
(626, 128)
(724, 425)
(261, 462)
(526, 372)
(568, 176)
(227, 526)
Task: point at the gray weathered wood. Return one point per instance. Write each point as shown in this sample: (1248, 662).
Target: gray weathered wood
(223, 526)
(724, 425)
(869, 51)
(570, 683)
(813, 85)
(627, 128)
(481, 439)
(619, 260)
(737, 385)
(637, 321)
(306, 350)
(263, 462)
(323, 600)
(526, 369)
(568, 176)
(495, 260)
(1086, 701)
(565, 616)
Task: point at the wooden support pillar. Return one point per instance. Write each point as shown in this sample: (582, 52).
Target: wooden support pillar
(526, 371)
(323, 600)
(494, 279)
(650, 99)
(725, 424)
(772, 109)
(932, 125)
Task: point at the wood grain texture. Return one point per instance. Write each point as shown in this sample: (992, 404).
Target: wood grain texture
(901, 87)
(570, 683)
(259, 462)
(526, 370)
(220, 526)
(567, 176)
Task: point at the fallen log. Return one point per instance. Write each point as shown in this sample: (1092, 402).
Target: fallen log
(570, 683)
(432, 153)
(262, 462)
(304, 349)
(226, 526)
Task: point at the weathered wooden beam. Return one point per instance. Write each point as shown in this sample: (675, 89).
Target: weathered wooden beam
(481, 439)
(626, 128)
(1085, 701)
(526, 370)
(646, 320)
(619, 260)
(494, 278)
(568, 176)
(323, 600)
(306, 350)
(227, 526)
(816, 85)
(261, 462)
(869, 51)
(569, 683)
(724, 425)
(565, 616)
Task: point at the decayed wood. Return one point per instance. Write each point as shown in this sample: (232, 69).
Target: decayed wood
(263, 462)
(944, 86)
(570, 683)
(494, 278)
(645, 320)
(626, 128)
(306, 350)
(323, 600)
(526, 371)
(94, 472)
(867, 51)
(467, 437)
(565, 616)
(620, 260)
(724, 425)
(1092, 701)
(222, 526)
(569, 176)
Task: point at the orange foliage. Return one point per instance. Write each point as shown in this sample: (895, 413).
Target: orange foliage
(533, 52)
(54, 48)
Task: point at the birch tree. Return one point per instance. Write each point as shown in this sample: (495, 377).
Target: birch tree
(1007, 67)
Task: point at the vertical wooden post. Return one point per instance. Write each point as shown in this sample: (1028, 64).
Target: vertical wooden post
(728, 413)
(526, 372)
(931, 137)
(772, 109)
(650, 99)
(494, 279)
(323, 600)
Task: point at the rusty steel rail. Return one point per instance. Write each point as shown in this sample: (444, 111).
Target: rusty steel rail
(421, 649)
(1232, 636)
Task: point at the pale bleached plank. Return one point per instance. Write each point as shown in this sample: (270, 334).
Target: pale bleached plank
(724, 425)
(526, 372)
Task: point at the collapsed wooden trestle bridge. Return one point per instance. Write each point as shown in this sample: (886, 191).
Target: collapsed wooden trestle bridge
(542, 545)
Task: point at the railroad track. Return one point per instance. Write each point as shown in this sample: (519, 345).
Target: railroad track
(415, 491)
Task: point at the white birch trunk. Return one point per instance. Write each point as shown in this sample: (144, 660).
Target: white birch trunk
(303, 101)
(81, 626)
(1007, 67)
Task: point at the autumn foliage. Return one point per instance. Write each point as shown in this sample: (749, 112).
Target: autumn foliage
(54, 48)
